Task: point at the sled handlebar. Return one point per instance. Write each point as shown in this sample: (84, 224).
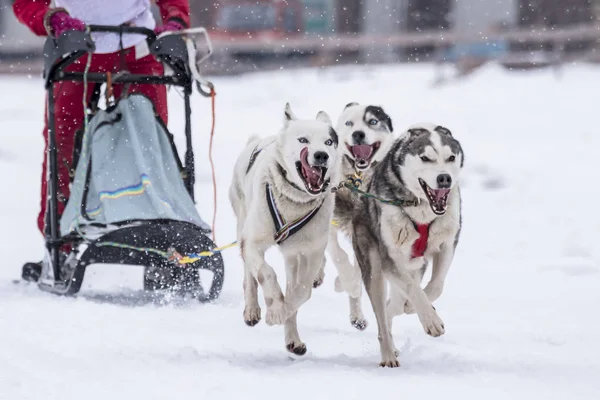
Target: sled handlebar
(123, 29)
(64, 50)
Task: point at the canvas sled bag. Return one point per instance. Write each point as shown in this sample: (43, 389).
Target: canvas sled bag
(127, 172)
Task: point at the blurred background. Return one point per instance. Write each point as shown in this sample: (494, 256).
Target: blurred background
(271, 34)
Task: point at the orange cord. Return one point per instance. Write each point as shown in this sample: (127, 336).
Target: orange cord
(212, 165)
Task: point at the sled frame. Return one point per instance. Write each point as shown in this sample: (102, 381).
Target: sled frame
(59, 53)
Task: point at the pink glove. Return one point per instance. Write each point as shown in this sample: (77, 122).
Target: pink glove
(61, 22)
(171, 25)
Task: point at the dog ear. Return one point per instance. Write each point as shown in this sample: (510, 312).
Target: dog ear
(416, 132)
(323, 117)
(443, 131)
(289, 115)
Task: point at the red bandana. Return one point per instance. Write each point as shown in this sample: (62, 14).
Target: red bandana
(420, 245)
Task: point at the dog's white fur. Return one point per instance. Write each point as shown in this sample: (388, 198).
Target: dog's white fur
(397, 236)
(304, 252)
(349, 279)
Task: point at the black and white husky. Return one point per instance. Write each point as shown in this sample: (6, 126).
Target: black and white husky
(280, 195)
(366, 135)
(394, 242)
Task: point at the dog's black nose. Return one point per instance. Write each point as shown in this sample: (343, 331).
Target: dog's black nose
(444, 181)
(321, 158)
(358, 137)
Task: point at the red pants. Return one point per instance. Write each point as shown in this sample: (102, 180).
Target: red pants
(68, 112)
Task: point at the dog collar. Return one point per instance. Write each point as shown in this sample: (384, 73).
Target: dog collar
(283, 230)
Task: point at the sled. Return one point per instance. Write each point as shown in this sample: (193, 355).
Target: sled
(152, 220)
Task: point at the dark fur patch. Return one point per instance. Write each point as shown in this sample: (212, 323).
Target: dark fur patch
(448, 140)
(443, 131)
(418, 131)
(351, 104)
(334, 136)
(380, 115)
(260, 278)
(288, 116)
(283, 173)
(253, 156)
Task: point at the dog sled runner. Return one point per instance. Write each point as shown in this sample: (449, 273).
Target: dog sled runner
(132, 199)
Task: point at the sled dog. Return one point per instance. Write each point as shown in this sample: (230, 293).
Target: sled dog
(280, 194)
(394, 242)
(366, 134)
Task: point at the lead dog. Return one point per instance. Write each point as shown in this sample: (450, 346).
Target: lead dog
(366, 135)
(395, 242)
(280, 196)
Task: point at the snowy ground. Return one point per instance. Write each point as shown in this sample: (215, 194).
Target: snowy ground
(520, 304)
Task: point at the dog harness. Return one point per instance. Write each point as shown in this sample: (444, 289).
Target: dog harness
(284, 230)
(420, 245)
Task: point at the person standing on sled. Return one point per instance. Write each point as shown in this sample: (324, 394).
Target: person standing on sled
(111, 55)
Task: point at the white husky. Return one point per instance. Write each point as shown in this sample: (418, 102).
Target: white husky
(280, 196)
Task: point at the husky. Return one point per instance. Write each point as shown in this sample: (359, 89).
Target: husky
(418, 220)
(366, 133)
(280, 196)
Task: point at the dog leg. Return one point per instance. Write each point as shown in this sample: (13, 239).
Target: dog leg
(301, 291)
(431, 321)
(252, 312)
(348, 274)
(417, 276)
(377, 292)
(293, 343)
(320, 275)
(395, 303)
(357, 318)
(348, 279)
(298, 291)
(441, 265)
(266, 276)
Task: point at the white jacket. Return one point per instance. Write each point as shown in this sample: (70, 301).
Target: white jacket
(111, 12)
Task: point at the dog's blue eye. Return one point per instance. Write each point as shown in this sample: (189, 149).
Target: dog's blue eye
(328, 142)
(302, 140)
(425, 159)
(349, 123)
(373, 121)
(451, 158)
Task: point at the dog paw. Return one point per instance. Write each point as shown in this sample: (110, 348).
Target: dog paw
(396, 352)
(433, 324)
(319, 280)
(391, 363)
(297, 349)
(252, 315)
(359, 323)
(276, 315)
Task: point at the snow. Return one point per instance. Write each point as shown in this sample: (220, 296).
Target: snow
(520, 303)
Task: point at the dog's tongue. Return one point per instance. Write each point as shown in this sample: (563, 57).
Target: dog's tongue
(362, 151)
(439, 193)
(312, 174)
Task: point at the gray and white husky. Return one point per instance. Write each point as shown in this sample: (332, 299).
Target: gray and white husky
(366, 134)
(280, 196)
(394, 242)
